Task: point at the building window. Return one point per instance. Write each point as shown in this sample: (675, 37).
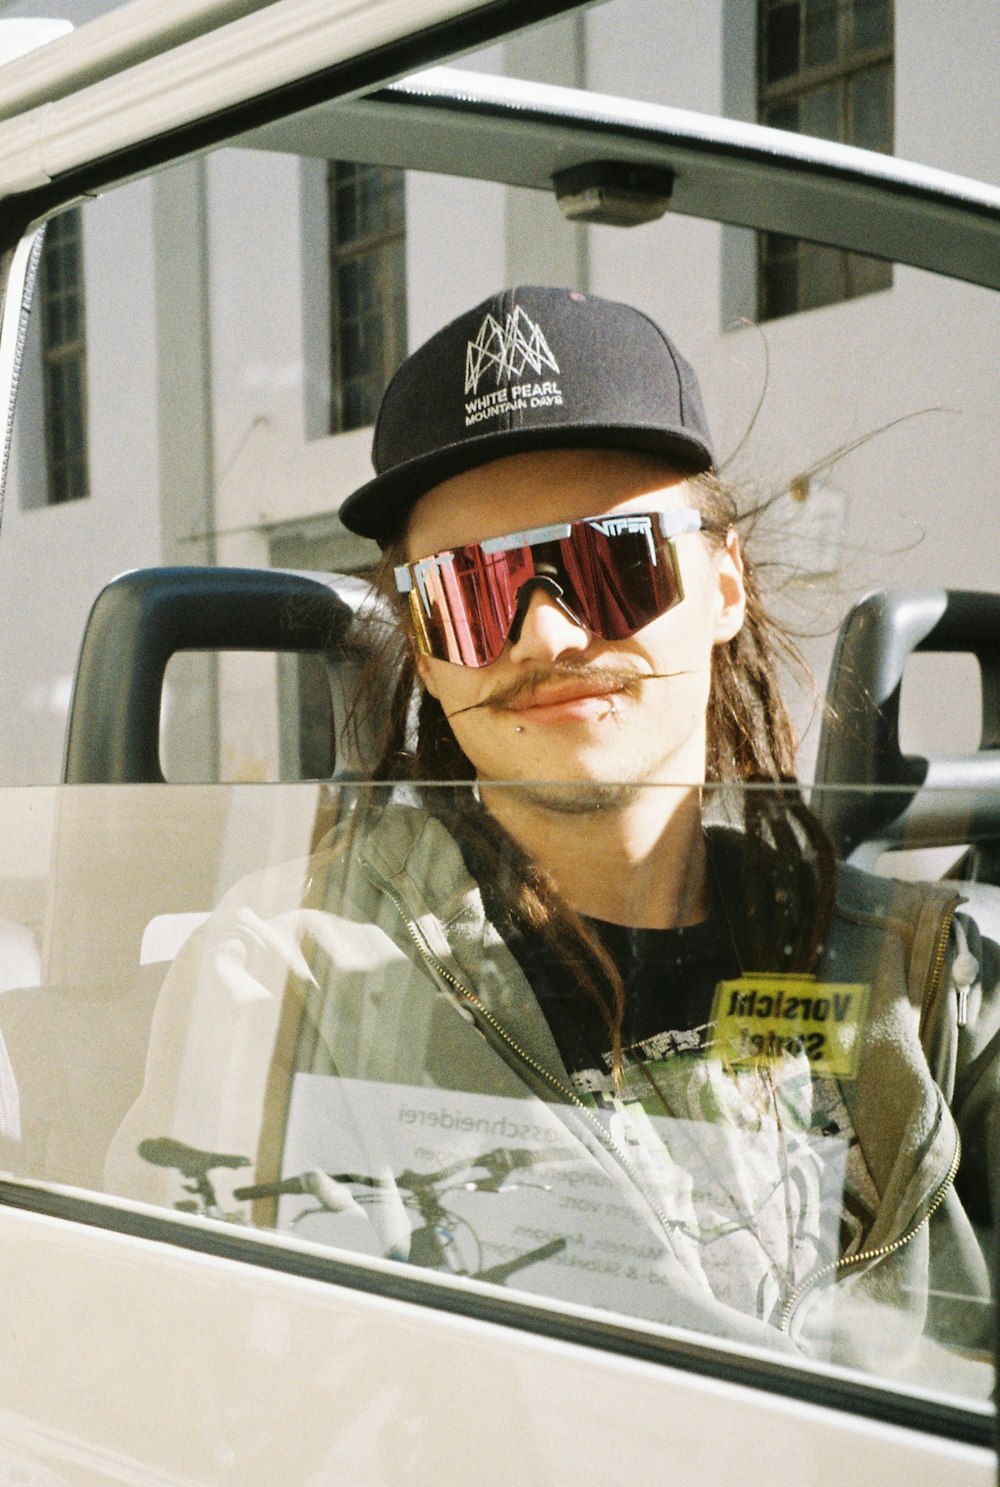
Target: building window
(368, 288)
(825, 69)
(64, 358)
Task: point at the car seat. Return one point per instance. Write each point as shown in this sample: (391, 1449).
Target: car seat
(73, 1045)
(869, 794)
(140, 620)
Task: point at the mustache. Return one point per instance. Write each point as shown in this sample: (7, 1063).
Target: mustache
(603, 678)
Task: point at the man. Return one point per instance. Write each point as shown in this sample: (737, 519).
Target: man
(674, 1022)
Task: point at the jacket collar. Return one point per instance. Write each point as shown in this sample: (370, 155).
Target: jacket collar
(419, 859)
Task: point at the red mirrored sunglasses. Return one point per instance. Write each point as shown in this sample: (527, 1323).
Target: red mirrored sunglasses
(611, 574)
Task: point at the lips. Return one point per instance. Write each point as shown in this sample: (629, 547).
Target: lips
(569, 698)
(567, 692)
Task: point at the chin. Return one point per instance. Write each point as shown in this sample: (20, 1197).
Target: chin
(579, 797)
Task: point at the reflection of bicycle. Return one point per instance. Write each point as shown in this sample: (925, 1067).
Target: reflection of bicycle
(443, 1240)
(195, 1165)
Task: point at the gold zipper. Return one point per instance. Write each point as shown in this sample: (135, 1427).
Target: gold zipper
(607, 1141)
(931, 988)
(882, 1250)
(933, 982)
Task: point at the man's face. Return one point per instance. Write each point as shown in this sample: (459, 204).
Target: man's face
(561, 704)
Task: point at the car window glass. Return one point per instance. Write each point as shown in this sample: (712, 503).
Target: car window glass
(319, 1056)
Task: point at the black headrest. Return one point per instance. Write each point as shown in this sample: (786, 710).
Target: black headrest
(909, 799)
(142, 618)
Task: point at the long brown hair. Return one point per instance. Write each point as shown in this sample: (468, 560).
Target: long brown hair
(787, 859)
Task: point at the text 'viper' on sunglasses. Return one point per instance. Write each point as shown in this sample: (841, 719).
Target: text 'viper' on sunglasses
(611, 574)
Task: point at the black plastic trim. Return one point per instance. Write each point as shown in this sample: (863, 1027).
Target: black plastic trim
(775, 1377)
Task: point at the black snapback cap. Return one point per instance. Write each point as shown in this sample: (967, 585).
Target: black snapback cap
(529, 368)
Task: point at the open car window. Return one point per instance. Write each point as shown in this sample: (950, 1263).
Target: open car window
(251, 993)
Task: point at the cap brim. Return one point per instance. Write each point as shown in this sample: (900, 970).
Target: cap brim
(379, 508)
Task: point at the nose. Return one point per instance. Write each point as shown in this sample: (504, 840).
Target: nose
(547, 631)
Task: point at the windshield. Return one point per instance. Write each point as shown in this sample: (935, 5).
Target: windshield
(586, 894)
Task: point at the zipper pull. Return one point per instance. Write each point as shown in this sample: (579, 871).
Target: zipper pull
(963, 1005)
(964, 970)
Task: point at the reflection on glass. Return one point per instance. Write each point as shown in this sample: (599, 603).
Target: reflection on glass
(368, 1046)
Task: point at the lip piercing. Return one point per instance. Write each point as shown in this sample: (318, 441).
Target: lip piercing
(518, 729)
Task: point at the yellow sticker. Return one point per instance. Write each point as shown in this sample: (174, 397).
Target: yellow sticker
(763, 1018)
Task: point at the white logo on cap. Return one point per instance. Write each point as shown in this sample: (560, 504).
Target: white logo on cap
(511, 350)
(510, 347)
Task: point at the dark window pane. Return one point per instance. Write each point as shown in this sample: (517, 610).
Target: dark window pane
(817, 76)
(820, 32)
(371, 200)
(866, 275)
(72, 308)
(870, 112)
(781, 42)
(396, 310)
(52, 323)
(871, 24)
(819, 113)
(61, 308)
(73, 405)
(369, 288)
(350, 350)
(778, 245)
(348, 288)
(70, 256)
(368, 202)
(779, 284)
(393, 190)
(783, 115)
(346, 213)
(54, 269)
(361, 348)
(360, 405)
(822, 278)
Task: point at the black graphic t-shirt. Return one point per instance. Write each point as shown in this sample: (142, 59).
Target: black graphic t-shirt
(669, 975)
